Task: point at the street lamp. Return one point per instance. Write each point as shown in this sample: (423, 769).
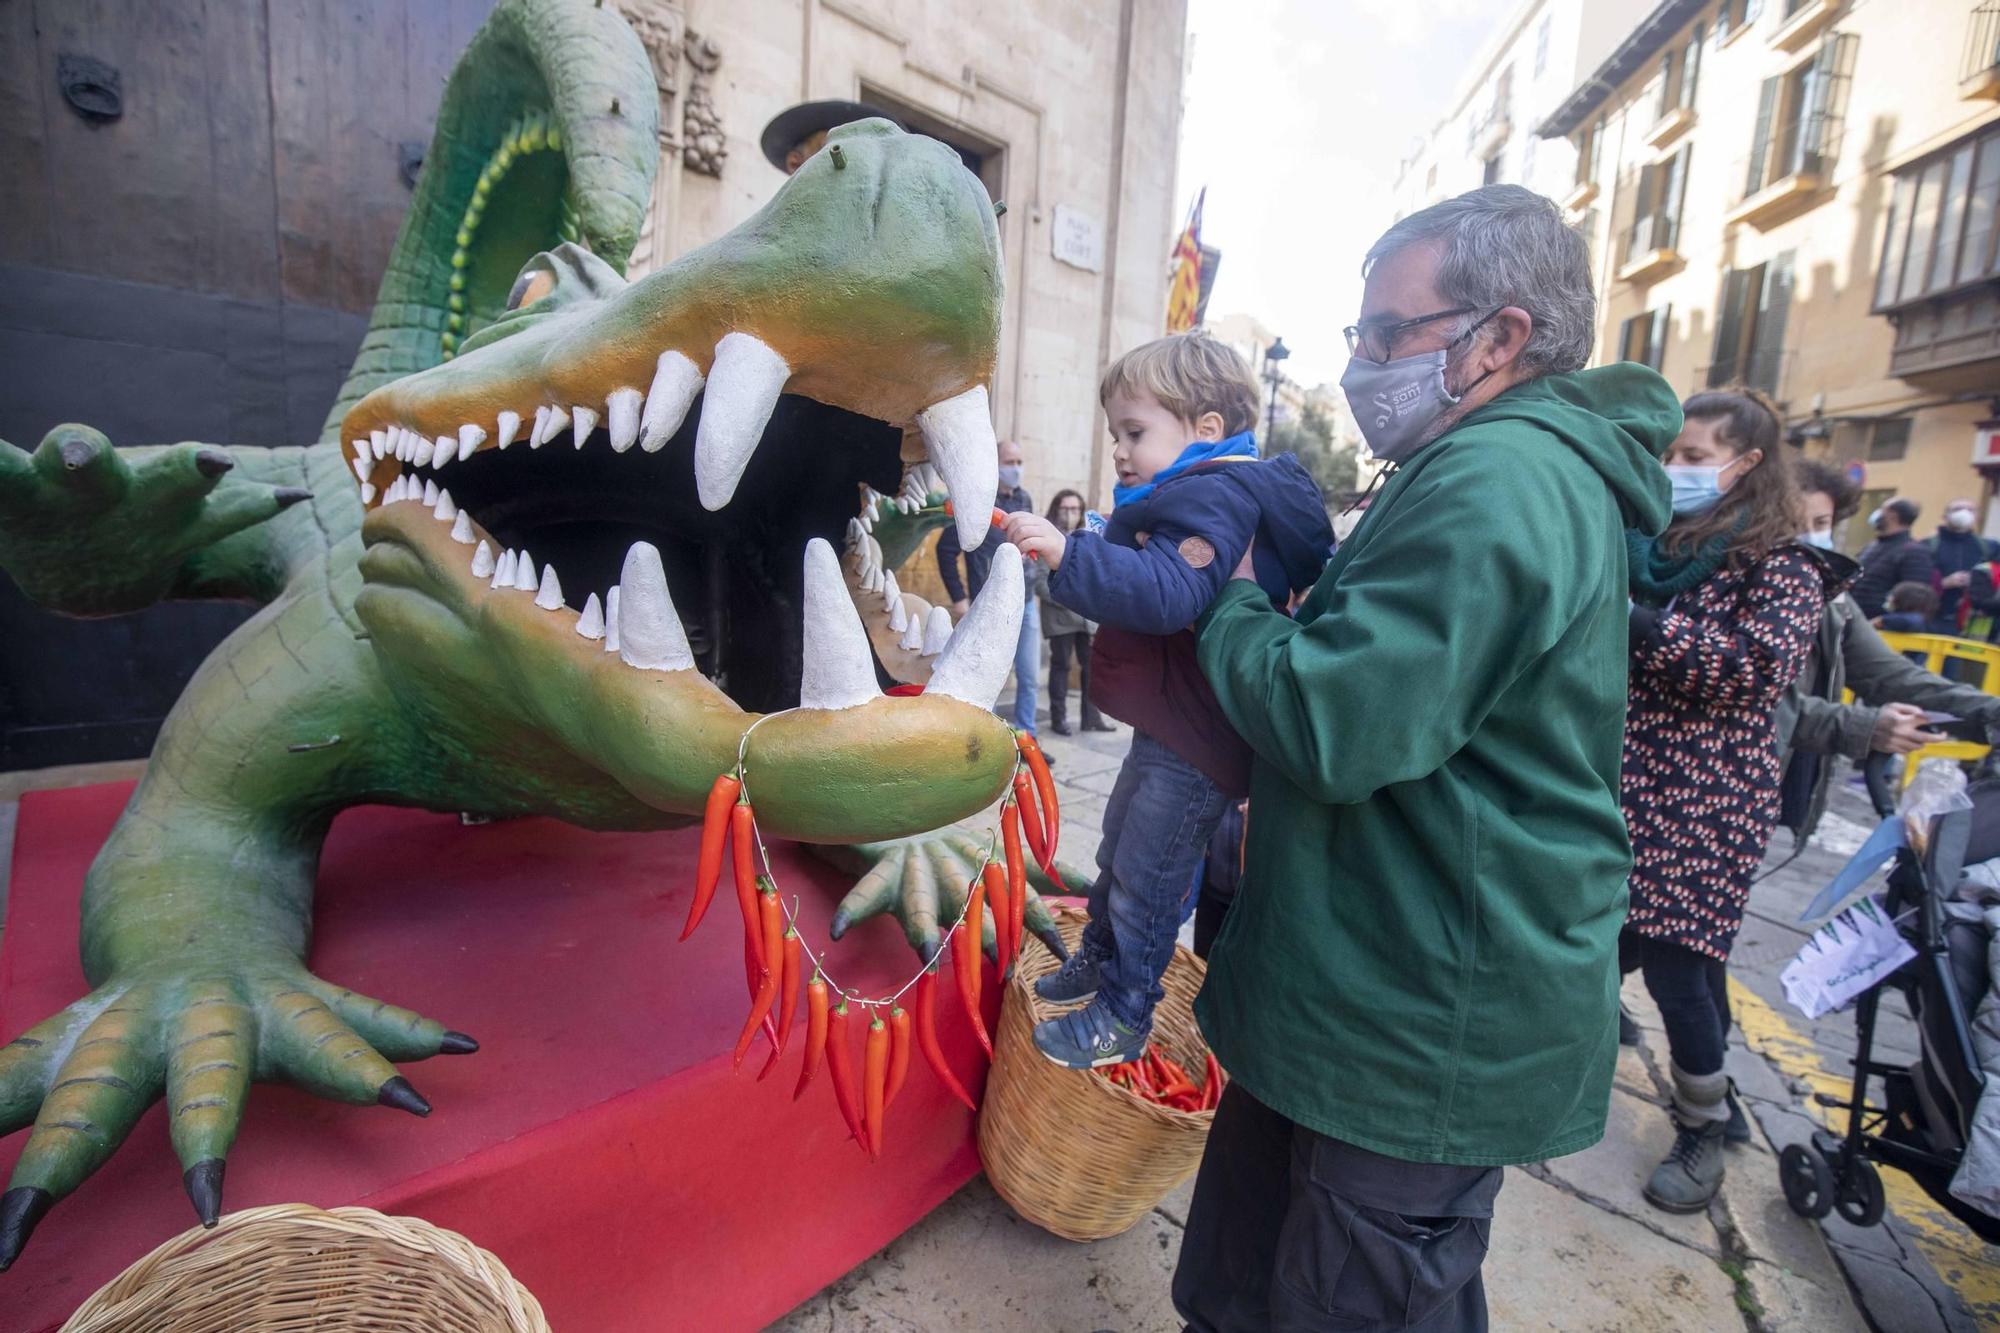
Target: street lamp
(1273, 376)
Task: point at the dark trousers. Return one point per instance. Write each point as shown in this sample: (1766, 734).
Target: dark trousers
(1293, 1231)
(1061, 648)
(1692, 991)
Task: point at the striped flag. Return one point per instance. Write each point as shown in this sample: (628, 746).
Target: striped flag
(1184, 286)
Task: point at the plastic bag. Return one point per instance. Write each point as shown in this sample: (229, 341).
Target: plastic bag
(1845, 957)
(1938, 789)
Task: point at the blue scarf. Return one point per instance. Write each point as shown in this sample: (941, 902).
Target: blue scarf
(1197, 453)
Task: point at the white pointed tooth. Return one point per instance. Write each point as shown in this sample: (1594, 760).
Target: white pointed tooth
(899, 619)
(891, 594)
(524, 573)
(482, 561)
(395, 491)
(649, 629)
(867, 523)
(503, 570)
(913, 636)
(509, 426)
(443, 449)
(583, 420)
(406, 446)
(361, 470)
(959, 434)
(611, 642)
(591, 623)
(549, 597)
(854, 534)
(676, 380)
(743, 389)
(557, 423)
(442, 508)
(975, 663)
(461, 529)
(876, 579)
(367, 493)
(378, 442)
(539, 431)
(839, 670)
(430, 492)
(937, 634)
(470, 437)
(623, 419)
(874, 549)
(359, 448)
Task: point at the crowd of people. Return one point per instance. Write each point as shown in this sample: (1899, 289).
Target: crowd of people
(1530, 727)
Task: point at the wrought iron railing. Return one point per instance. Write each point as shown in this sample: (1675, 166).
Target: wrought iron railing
(1654, 231)
(1802, 146)
(1982, 42)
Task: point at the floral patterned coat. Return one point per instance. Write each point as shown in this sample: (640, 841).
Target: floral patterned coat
(1700, 776)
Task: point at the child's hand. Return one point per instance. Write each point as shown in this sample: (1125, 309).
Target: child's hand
(1037, 537)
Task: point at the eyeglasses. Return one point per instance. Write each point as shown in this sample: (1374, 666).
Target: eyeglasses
(1376, 341)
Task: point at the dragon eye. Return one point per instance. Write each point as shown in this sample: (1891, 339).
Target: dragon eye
(530, 287)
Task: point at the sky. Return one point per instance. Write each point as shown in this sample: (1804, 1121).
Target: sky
(1297, 112)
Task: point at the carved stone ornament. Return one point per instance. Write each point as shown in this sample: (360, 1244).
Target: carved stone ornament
(703, 145)
(659, 30)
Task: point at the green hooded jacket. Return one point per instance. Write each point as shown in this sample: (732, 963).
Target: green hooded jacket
(1422, 959)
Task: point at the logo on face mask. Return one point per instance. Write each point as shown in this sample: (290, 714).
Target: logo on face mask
(1397, 402)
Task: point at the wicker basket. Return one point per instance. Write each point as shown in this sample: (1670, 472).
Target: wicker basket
(1074, 1153)
(291, 1267)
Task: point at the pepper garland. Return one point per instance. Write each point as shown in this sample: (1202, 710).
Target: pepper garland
(774, 953)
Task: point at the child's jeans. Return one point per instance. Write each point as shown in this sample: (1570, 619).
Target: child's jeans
(1162, 812)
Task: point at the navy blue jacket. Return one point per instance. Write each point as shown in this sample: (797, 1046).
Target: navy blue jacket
(1156, 567)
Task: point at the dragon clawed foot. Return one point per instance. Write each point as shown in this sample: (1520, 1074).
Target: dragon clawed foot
(85, 1076)
(923, 882)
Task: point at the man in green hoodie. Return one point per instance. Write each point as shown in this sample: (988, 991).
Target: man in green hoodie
(1418, 981)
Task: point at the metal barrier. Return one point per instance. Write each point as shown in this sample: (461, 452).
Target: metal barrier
(1937, 649)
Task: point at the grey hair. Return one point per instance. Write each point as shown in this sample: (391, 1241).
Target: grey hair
(1504, 245)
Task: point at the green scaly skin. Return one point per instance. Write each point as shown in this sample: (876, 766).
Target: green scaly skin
(351, 684)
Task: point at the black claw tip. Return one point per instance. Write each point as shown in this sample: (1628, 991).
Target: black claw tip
(838, 926)
(457, 1043)
(20, 1210)
(1053, 938)
(76, 453)
(929, 949)
(287, 496)
(398, 1093)
(204, 1189)
(212, 462)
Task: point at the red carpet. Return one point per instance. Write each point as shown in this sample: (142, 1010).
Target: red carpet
(599, 1142)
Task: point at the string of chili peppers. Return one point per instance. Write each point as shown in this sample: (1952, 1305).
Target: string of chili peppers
(775, 954)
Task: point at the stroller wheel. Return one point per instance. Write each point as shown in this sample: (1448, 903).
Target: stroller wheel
(1858, 1197)
(1807, 1180)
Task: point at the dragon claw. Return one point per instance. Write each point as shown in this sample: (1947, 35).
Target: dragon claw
(212, 462)
(203, 1182)
(398, 1093)
(21, 1209)
(457, 1043)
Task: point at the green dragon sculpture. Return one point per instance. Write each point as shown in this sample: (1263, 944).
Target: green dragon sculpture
(690, 443)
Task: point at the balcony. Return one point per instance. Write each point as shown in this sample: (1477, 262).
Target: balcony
(1650, 249)
(1803, 21)
(1787, 174)
(1579, 198)
(1490, 131)
(1670, 127)
(1979, 69)
(1950, 344)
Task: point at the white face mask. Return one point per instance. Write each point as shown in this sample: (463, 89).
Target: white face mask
(1959, 520)
(1823, 540)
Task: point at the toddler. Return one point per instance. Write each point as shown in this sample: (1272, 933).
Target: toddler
(1191, 498)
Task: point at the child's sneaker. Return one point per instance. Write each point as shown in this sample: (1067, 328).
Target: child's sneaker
(1074, 981)
(1089, 1038)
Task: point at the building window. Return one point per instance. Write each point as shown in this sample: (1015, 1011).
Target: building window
(1750, 325)
(1736, 15)
(1491, 174)
(1542, 45)
(1889, 441)
(1528, 161)
(1589, 147)
(1941, 230)
(1691, 68)
(1656, 217)
(1799, 116)
(1643, 338)
(1669, 88)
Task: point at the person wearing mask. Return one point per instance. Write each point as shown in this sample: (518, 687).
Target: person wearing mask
(1725, 606)
(1416, 984)
(1067, 632)
(1955, 552)
(1011, 498)
(1893, 557)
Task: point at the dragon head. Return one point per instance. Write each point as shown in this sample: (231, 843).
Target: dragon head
(610, 516)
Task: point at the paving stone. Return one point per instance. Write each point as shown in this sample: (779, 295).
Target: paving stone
(1559, 1263)
(1788, 1302)
(1636, 1137)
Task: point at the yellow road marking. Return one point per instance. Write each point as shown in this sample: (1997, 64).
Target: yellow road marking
(1965, 1262)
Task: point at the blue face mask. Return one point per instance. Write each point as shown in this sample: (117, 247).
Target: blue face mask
(1823, 540)
(1696, 489)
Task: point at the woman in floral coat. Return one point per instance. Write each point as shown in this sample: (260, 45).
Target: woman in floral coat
(1725, 606)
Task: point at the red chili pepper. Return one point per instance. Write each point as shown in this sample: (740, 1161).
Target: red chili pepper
(994, 883)
(743, 840)
(1031, 819)
(1017, 881)
(714, 832)
(1045, 787)
(840, 1065)
(927, 1037)
(874, 1082)
(767, 990)
(1211, 1087)
(899, 1054)
(815, 1032)
(965, 962)
(788, 1000)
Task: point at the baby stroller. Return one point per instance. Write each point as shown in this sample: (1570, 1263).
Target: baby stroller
(1926, 1110)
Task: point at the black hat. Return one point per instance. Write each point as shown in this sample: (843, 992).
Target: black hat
(795, 124)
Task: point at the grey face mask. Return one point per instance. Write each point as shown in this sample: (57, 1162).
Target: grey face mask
(1396, 402)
